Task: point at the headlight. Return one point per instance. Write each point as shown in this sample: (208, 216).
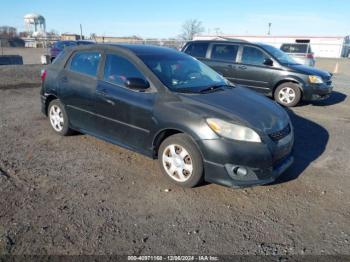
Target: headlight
(315, 80)
(233, 131)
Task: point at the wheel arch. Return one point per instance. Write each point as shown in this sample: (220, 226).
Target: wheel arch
(288, 80)
(163, 134)
(48, 100)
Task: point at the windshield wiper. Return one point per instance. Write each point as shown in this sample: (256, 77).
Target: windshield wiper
(183, 90)
(213, 88)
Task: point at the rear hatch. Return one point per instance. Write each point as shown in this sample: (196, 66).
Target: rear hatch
(298, 50)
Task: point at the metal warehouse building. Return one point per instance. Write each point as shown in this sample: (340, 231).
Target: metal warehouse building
(322, 46)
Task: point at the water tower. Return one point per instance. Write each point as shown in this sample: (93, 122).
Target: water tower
(35, 25)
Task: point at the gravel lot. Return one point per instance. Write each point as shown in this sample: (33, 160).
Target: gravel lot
(80, 195)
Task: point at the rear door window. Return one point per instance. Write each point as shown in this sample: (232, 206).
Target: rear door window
(253, 56)
(224, 52)
(85, 63)
(197, 49)
(118, 69)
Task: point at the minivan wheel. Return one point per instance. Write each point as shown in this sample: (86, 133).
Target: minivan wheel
(58, 118)
(181, 161)
(288, 94)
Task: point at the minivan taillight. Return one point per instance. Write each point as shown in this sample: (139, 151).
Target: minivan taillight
(311, 56)
(43, 74)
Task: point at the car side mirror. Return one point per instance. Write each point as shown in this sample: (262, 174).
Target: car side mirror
(137, 83)
(268, 62)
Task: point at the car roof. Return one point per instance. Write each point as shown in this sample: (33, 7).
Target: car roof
(233, 41)
(137, 49)
(238, 41)
(65, 41)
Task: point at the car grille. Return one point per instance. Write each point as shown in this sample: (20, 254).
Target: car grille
(276, 136)
(329, 83)
(328, 80)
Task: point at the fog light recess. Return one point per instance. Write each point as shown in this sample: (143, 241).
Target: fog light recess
(240, 171)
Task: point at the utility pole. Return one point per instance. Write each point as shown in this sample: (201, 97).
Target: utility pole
(269, 32)
(81, 32)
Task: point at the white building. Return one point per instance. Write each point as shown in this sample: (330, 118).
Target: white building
(322, 46)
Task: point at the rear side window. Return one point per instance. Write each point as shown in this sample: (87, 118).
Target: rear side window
(253, 56)
(224, 52)
(197, 49)
(118, 69)
(85, 63)
(296, 48)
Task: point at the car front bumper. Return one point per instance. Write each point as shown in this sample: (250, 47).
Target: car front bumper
(317, 92)
(243, 164)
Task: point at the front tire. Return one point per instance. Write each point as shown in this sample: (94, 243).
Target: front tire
(58, 118)
(180, 161)
(288, 94)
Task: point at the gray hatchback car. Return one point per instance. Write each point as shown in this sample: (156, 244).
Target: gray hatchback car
(263, 68)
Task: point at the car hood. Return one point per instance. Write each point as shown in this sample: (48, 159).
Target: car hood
(241, 106)
(310, 70)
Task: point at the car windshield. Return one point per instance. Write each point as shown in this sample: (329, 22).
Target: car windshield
(84, 43)
(183, 73)
(281, 56)
(62, 45)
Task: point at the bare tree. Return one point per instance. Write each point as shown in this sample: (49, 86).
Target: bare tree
(191, 28)
(93, 36)
(217, 31)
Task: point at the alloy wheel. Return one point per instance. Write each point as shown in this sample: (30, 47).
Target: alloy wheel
(56, 118)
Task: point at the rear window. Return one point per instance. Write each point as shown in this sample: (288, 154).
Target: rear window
(224, 52)
(296, 48)
(197, 49)
(85, 63)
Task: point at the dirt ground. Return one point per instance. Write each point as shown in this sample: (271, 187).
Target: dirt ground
(80, 195)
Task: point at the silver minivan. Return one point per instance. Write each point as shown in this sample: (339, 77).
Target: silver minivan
(301, 52)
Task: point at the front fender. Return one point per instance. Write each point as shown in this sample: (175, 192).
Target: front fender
(290, 78)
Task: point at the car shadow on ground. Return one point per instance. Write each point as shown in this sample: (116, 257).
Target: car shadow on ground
(335, 98)
(310, 142)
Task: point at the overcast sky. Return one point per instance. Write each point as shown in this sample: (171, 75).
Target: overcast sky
(163, 18)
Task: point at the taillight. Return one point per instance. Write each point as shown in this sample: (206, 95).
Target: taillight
(43, 74)
(310, 55)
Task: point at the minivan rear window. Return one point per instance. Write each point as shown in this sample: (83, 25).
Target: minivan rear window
(197, 49)
(85, 63)
(296, 48)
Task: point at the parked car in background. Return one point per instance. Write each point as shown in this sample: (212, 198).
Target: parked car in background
(263, 68)
(300, 52)
(168, 105)
(11, 60)
(58, 46)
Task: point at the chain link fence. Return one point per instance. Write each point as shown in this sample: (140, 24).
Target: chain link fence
(32, 55)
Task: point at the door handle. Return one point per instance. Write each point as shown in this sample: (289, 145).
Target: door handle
(242, 67)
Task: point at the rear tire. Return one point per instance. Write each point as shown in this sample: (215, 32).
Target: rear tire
(58, 118)
(181, 161)
(288, 94)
